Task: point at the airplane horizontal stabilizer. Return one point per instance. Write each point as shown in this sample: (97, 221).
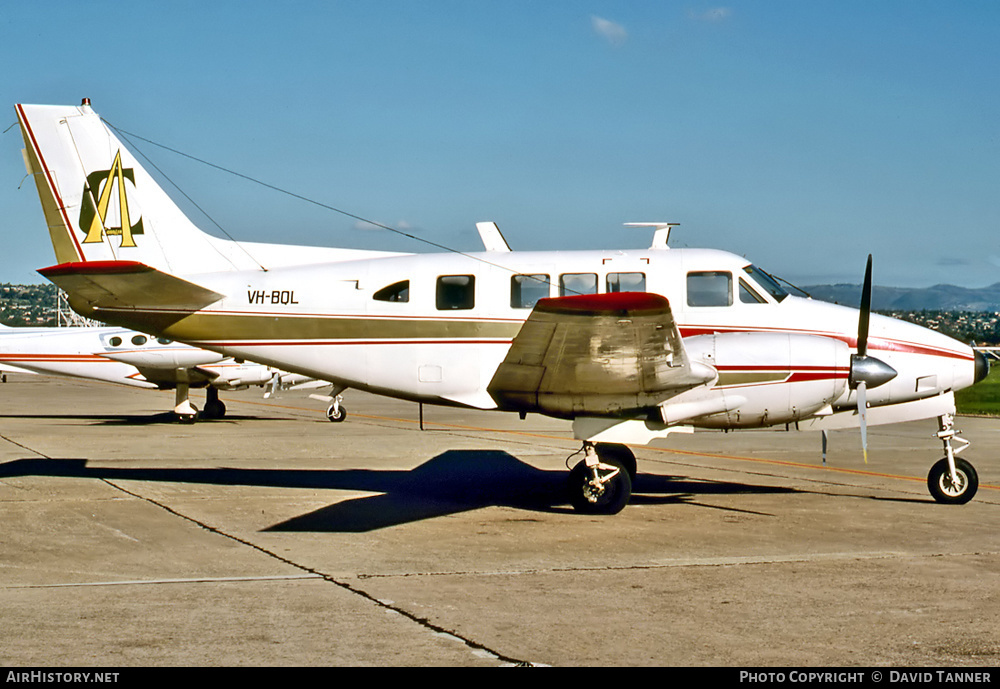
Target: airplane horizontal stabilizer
(125, 285)
(617, 354)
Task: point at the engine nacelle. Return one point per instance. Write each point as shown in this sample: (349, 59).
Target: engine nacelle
(770, 378)
(173, 357)
(242, 375)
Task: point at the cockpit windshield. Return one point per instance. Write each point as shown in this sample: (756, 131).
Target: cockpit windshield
(768, 283)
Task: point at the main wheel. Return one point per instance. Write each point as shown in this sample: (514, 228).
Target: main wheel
(336, 414)
(607, 493)
(951, 492)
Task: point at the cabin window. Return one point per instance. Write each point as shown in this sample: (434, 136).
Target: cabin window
(139, 340)
(526, 290)
(115, 341)
(163, 340)
(397, 291)
(748, 295)
(456, 292)
(626, 282)
(577, 283)
(710, 288)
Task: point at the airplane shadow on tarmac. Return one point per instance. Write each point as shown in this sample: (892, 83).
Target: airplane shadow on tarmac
(454, 481)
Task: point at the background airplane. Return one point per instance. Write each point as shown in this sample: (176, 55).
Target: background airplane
(127, 357)
(630, 345)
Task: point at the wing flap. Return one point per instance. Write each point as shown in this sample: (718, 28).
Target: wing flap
(617, 354)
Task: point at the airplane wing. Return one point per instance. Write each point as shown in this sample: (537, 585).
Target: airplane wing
(617, 354)
(115, 285)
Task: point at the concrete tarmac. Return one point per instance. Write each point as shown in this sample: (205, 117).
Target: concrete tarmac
(274, 537)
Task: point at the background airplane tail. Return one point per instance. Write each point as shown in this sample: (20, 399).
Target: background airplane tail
(101, 205)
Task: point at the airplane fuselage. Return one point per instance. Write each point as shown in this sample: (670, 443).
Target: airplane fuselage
(435, 328)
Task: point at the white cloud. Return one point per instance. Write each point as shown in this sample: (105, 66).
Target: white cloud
(372, 225)
(715, 14)
(613, 33)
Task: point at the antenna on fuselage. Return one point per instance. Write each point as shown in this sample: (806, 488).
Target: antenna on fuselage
(661, 235)
(493, 240)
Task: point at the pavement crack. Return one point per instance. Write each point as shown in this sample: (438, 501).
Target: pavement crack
(475, 647)
(24, 447)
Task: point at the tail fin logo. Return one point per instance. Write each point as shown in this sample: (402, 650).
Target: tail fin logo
(97, 205)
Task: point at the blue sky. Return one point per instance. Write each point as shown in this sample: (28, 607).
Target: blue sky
(803, 134)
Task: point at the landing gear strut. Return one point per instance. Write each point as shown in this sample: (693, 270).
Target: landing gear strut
(185, 411)
(214, 407)
(952, 481)
(601, 482)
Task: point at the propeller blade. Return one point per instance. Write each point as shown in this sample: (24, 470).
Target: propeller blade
(863, 417)
(866, 309)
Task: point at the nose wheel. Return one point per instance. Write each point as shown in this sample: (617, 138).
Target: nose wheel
(953, 488)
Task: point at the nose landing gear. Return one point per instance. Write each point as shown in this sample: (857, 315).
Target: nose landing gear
(952, 481)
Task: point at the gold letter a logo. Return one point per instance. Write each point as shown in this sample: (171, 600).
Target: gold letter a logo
(94, 212)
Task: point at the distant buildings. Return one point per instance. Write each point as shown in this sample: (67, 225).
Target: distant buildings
(33, 305)
(980, 327)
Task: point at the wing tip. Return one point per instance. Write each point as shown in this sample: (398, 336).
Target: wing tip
(610, 303)
(94, 268)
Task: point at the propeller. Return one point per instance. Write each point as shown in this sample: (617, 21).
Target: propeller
(866, 371)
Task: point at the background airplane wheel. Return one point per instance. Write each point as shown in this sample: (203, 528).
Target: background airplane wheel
(609, 500)
(214, 409)
(944, 491)
(188, 418)
(336, 415)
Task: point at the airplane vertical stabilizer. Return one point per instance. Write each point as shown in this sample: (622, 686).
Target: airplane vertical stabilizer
(100, 204)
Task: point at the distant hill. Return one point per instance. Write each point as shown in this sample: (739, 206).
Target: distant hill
(936, 298)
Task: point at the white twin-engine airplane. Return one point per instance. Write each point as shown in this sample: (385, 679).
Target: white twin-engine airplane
(126, 357)
(629, 345)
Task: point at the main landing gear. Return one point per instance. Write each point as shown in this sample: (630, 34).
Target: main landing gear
(188, 413)
(601, 483)
(952, 481)
(336, 412)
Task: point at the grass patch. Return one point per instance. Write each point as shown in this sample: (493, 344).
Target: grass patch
(983, 398)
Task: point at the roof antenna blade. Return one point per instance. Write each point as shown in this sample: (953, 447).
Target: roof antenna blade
(660, 236)
(493, 240)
